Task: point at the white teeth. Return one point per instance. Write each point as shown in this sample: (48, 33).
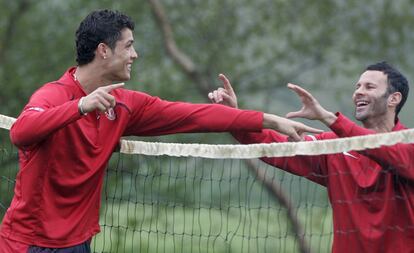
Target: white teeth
(361, 103)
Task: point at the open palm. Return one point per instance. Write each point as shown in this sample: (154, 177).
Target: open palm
(311, 109)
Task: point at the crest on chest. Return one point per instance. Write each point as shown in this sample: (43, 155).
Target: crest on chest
(110, 114)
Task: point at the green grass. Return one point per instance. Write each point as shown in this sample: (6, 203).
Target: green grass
(159, 228)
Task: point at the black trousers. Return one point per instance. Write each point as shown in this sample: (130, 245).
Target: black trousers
(81, 248)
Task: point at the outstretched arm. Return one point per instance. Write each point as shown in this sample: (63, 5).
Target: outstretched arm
(225, 95)
(397, 156)
(311, 167)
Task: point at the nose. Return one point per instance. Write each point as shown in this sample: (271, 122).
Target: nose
(134, 54)
(359, 90)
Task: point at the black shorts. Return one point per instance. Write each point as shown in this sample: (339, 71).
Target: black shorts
(81, 248)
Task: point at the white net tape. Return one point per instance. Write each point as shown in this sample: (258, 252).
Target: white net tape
(6, 122)
(257, 150)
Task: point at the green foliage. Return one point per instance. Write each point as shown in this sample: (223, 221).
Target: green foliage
(158, 228)
(261, 45)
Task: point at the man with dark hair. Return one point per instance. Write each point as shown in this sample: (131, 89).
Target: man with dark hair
(396, 82)
(70, 127)
(371, 191)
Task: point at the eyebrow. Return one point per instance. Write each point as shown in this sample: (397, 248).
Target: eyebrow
(367, 83)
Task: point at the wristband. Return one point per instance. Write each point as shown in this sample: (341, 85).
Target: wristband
(80, 109)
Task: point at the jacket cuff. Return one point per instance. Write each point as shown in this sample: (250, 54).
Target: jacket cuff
(342, 125)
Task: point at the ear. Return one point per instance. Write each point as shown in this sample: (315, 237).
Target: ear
(102, 51)
(394, 99)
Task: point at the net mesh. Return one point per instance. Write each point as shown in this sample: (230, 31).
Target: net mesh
(162, 197)
(170, 204)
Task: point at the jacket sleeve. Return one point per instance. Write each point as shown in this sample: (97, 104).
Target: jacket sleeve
(153, 116)
(398, 157)
(48, 110)
(311, 167)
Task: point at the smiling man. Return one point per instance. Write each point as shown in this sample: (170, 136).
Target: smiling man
(372, 191)
(70, 127)
(378, 103)
(379, 95)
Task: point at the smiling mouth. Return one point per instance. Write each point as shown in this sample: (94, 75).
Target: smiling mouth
(361, 104)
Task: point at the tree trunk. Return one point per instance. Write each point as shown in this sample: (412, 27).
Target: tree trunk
(190, 69)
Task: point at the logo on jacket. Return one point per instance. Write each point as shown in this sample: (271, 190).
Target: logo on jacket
(110, 114)
(348, 154)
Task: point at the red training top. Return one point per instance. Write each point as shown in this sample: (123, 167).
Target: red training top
(63, 155)
(371, 192)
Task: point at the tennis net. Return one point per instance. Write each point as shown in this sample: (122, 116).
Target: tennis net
(169, 197)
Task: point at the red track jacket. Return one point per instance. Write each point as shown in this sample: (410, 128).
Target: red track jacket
(63, 155)
(371, 192)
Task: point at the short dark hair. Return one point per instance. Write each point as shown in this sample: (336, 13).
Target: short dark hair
(396, 81)
(101, 26)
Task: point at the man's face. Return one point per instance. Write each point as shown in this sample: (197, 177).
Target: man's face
(122, 57)
(371, 96)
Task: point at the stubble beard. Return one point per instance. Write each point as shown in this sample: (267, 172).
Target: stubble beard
(375, 110)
